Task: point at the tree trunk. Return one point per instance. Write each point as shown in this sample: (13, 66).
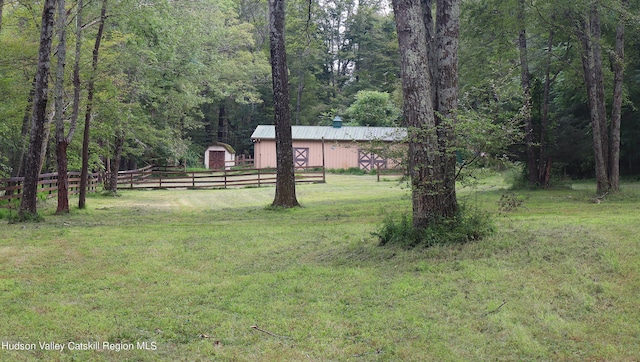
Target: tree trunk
(525, 80)
(24, 134)
(223, 124)
(590, 37)
(430, 33)
(599, 79)
(61, 141)
(447, 35)
(424, 158)
(117, 156)
(84, 172)
(429, 68)
(544, 163)
(63, 179)
(45, 140)
(76, 73)
(617, 63)
(285, 182)
(300, 90)
(1, 7)
(28, 202)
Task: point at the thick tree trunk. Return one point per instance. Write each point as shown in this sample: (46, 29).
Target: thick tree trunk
(84, 172)
(28, 203)
(447, 35)
(61, 141)
(590, 37)
(285, 181)
(525, 81)
(617, 63)
(424, 155)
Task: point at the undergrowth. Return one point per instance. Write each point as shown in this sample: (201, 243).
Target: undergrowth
(468, 224)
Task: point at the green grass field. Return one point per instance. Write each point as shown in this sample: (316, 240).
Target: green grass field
(202, 275)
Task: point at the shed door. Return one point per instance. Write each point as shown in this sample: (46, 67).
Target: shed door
(216, 160)
(300, 157)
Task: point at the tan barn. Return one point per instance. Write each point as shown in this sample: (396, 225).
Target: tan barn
(339, 147)
(219, 156)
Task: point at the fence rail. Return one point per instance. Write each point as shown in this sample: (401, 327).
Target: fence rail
(11, 188)
(150, 177)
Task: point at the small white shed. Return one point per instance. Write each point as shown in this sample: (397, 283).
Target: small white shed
(219, 156)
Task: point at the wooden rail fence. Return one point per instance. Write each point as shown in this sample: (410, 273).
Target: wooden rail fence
(152, 177)
(11, 188)
(163, 177)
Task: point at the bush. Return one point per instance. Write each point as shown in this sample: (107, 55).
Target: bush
(467, 225)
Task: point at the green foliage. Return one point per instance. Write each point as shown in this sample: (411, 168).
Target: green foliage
(469, 224)
(373, 108)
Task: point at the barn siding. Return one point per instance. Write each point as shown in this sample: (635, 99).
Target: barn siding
(339, 155)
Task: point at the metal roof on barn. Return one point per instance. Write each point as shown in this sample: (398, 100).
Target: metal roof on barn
(334, 134)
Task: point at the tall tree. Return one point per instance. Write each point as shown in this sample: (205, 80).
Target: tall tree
(591, 36)
(525, 80)
(429, 63)
(617, 64)
(285, 183)
(84, 171)
(61, 139)
(28, 202)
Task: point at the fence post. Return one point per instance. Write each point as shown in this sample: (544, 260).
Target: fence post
(258, 176)
(193, 179)
(132, 180)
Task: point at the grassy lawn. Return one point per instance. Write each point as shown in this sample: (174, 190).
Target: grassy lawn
(214, 275)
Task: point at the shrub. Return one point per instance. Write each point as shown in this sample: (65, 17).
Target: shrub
(468, 225)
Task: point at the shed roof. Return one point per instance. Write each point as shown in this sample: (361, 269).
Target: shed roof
(334, 134)
(226, 146)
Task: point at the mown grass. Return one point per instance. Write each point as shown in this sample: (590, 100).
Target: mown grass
(215, 275)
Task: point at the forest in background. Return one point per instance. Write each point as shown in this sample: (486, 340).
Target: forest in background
(175, 76)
